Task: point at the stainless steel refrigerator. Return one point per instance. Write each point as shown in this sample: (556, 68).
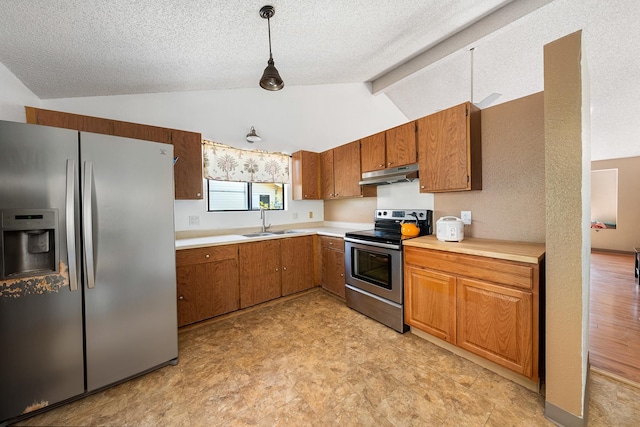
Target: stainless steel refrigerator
(87, 263)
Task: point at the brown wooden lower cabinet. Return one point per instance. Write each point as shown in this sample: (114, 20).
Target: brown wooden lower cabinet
(273, 268)
(495, 322)
(207, 283)
(486, 306)
(332, 252)
(431, 302)
(220, 279)
(296, 254)
(259, 272)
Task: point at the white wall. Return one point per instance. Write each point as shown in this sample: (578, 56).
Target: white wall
(404, 195)
(14, 96)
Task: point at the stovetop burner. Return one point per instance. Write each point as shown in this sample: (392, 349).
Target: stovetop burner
(380, 236)
(388, 223)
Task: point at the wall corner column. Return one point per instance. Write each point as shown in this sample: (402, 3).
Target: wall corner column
(567, 189)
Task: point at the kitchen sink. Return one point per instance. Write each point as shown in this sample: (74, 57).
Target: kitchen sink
(267, 233)
(271, 233)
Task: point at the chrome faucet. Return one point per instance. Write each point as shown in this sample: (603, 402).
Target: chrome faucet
(263, 217)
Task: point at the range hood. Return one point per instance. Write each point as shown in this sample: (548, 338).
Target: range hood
(389, 176)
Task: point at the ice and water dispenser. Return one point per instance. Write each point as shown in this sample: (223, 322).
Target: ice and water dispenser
(29, 243)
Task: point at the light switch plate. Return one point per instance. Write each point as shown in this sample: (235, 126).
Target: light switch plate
(465, 216)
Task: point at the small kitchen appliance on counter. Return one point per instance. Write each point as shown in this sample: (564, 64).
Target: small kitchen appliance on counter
(374, 264)
(450, 229)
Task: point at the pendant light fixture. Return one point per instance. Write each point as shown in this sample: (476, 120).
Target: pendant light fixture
(271, 79)
(253, 136)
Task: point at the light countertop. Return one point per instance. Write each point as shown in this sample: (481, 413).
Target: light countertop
(227, 239)
(501, 249)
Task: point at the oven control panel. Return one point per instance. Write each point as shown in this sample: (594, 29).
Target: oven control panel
(401, 214)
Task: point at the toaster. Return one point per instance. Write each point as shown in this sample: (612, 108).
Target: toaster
(450, 229)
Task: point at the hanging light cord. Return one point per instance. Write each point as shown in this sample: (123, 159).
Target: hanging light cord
(269, 27)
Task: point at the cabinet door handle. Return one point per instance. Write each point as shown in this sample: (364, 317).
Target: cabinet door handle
(198, 194)
(284, 268)
(206, 256)
(422, 186)
(330, 243)
(341, 274)
(381, 166)
(277, 269)
(180, 297)
(389, 164)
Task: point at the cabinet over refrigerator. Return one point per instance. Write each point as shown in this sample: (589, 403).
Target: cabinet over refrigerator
(87, 263)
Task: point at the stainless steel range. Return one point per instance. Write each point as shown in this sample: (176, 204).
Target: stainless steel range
(374, 265)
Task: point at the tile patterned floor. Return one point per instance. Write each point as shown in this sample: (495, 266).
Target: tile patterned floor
(312, 361)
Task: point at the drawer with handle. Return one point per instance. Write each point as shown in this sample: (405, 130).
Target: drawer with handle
(332, 243)
(208, 254)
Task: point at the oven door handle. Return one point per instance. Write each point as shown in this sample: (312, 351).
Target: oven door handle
(374, 244)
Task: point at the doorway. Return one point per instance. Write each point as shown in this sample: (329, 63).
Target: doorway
(614, 315)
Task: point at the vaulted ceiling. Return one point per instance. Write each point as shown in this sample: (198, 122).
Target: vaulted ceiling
(72, 48)
(418, 53)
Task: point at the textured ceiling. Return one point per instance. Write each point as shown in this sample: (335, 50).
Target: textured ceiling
(416, 52)
(75, 48)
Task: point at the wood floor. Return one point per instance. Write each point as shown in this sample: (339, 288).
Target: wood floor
(614, 319)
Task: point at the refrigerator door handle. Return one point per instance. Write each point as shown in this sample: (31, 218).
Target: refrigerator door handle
(87, 214)
(71, 224)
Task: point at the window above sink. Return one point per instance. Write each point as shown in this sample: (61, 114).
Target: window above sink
(244, 196)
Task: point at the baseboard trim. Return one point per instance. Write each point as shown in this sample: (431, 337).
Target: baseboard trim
(563, 418)
(616, 377)
(611, 251)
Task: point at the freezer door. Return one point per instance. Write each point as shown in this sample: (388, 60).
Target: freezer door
(41, 361)
(129, 241)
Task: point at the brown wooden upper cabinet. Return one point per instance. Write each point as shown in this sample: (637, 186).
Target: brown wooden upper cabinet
(372, 152)
(340, 173)
(389, 149)
(187, 146)
(327, 184)
(449, 150)
(305, 175)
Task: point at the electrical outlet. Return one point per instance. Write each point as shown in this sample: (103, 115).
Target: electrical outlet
(294, 215)
(310, 214)
(465, 216)
(194, 220)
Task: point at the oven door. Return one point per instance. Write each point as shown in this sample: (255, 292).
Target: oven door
(377, 270)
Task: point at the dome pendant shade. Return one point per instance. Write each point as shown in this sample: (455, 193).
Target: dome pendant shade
(271, 79)
(253, 136)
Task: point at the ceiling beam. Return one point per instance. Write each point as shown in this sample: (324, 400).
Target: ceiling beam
(463, 38)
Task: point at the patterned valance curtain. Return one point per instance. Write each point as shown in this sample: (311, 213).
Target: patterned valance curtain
(225, 163)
